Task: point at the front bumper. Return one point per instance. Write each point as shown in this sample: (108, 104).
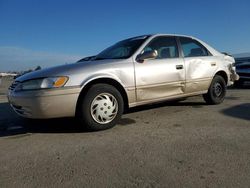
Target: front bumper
(234, 77)
(43, 104)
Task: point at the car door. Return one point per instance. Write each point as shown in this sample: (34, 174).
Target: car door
(163, 76)
(200, 65)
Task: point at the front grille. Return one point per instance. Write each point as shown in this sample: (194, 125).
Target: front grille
(18, 109)
(23, 111)
(13, 85)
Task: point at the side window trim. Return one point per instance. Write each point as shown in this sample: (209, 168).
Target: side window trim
(181, 54)
(178, 47)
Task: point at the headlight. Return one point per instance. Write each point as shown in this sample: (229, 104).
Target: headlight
(44, 83)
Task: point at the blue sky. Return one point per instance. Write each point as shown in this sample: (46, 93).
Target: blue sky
(52, 32)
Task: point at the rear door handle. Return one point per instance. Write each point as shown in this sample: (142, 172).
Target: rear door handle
(179, 66)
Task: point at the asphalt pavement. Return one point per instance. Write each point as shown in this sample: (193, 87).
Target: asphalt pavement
(185, 144)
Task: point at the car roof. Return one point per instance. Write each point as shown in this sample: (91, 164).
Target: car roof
(169, 34)
(162, 34)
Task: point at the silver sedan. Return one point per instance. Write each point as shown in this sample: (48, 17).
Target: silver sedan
(136, 71)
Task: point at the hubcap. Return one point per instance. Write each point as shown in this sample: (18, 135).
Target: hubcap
(218, 89)
(104, 108)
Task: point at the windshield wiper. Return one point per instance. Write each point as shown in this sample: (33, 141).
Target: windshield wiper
(89, 58)
(100, 58)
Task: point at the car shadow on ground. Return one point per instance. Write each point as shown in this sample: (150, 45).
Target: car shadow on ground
(11, 124)
(241, 111)
(194, 104)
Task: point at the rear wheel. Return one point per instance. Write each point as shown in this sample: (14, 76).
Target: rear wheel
(216, 92)
(101, 107)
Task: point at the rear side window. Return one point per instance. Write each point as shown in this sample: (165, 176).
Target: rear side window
(166, 47)
(192, 48)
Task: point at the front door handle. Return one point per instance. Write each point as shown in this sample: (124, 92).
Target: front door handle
(179, 66)
(213, 63)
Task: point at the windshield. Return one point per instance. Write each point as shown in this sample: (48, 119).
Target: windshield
(123, 49)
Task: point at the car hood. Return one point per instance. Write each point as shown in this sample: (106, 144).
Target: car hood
(65, 70)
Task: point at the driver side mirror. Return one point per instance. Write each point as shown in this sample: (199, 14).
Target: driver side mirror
(146, 55)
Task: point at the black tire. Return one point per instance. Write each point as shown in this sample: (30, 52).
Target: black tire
(101, 94)
(216, 92)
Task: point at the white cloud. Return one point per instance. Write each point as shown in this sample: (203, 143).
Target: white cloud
(16, 59)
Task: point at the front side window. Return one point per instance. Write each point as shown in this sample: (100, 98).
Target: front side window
(166, 47)
(192, 48)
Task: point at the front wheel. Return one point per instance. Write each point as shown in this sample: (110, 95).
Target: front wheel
(216, 92)
(101, 107)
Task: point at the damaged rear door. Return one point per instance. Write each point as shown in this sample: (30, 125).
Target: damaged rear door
(199, 63)
(163, 76)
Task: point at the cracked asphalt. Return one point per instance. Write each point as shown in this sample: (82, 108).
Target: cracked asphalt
(185, 144)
